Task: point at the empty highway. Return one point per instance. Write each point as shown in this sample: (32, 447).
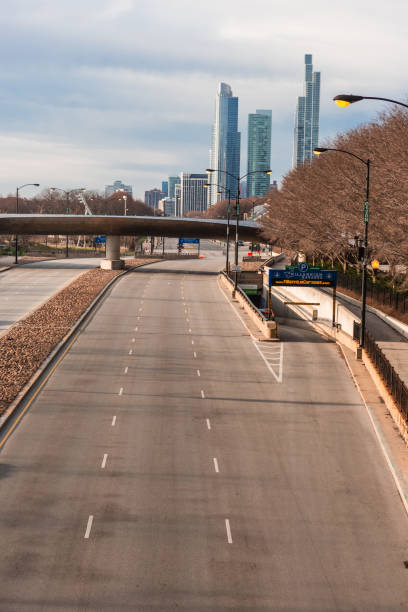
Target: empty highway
(171, 463)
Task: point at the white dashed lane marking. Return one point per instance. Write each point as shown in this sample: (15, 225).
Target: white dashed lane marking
(113, 421)
(88, 527)
(103, 464)
(228, 528)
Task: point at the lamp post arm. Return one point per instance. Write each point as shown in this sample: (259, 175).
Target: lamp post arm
(385, 100)
(364, 161)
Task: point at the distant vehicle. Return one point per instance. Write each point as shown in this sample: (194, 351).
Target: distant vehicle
(240, 243)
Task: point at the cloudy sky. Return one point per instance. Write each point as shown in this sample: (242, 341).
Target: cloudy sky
(98, 90)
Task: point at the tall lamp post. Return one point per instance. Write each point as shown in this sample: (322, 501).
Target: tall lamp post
(344, 100)
(366, 162)
(227, 190)
(67, 194)
(17, 193)
(238, 179)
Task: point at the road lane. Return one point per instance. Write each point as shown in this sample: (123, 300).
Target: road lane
(303, 514)
(25, 288)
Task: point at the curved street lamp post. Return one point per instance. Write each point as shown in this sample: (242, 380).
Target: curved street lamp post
(366, 162)
(17, 193)
(238, 179)
(228, 190)
(344, 100)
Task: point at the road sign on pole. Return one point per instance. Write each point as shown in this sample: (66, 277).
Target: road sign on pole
(299, 278)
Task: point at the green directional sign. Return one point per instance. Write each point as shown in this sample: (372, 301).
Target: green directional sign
(366, 211)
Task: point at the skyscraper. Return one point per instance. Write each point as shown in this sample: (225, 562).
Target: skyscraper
(226, 144)
(259, 152)
(193, 193)
(172, 182)
(165, 187)
(117, 186)
(307, 116)
(152, 197)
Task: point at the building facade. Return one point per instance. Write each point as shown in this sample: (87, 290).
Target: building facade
(165, 188)
(177, 198)
(193, 194)
(259, 152)
(167, 206)
(307, 116)
(117, 186)
(153, 196)
(173, 181)
(225, 146)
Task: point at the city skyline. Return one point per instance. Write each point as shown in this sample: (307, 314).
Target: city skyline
(81, 106)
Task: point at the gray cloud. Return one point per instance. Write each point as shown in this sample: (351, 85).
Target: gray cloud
(98, 90)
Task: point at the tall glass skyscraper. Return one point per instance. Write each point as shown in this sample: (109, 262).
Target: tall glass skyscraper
(307, 116)
(259, 152)
(226, 144)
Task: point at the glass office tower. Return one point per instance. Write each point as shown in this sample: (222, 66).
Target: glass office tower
(259, 152)
(226, 144)
(307, 116)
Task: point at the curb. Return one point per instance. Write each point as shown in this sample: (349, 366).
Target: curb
(15, 405)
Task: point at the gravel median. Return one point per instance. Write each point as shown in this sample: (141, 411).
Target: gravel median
(25, 346)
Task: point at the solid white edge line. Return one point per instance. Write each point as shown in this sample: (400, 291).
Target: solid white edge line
(216, 465)
(378, 436)
(113, 421)
(280, 376)
(103, 464)
(208, 424)
(88, 527)
(202, 394)
(228, 528)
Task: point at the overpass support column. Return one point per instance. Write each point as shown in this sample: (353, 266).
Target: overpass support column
(112, 260)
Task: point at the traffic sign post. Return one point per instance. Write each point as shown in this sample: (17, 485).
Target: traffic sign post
(303, 276)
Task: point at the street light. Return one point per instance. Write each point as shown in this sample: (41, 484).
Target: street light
(344, 100)
(366, 162)
(238, 179)
(67, 194)
(228, 190)
(17, 192)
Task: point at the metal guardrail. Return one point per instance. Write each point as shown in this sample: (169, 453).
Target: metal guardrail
(246, 298)
(390, 377)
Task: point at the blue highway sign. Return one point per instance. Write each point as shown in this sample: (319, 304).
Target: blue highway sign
(306, 278)
(189, 241)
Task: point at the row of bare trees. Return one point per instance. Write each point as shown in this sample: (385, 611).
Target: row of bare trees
(56, 203)
(319, 207)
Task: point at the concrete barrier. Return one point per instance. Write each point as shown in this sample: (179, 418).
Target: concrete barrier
(268, 328)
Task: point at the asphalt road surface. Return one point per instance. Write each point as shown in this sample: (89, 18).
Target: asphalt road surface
(172, 464)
